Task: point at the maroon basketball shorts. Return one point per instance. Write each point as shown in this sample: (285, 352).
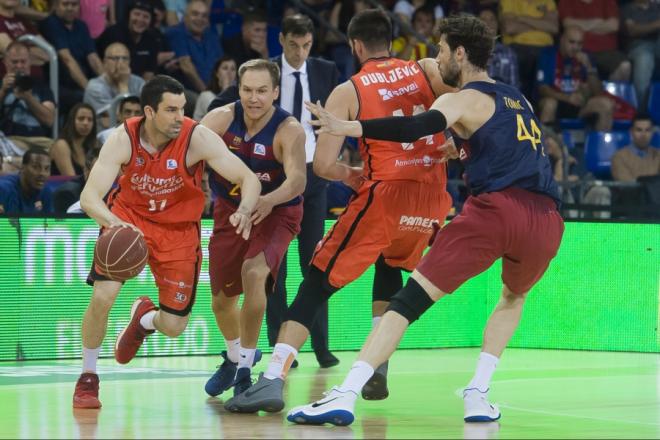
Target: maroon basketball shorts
(228, 250)
(521, 227)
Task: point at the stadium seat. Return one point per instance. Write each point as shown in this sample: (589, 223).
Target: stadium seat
(654, 102)
(568, 138)
(599, 149)
(572, 124)
(623, 90)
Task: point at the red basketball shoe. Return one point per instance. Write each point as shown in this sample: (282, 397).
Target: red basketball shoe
(130, 339)
(86, 394)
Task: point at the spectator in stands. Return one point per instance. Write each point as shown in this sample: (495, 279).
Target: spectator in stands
(66, 197)
(503, 64)
(408, 47)
(337, 49)
(97, 15)
(599, 20)
(639, 158)
(136, 34)
(224, 76)
(641, 24)
(197, 47)
(27, 107)
(26, 192)
(405, 9)
(569, 86)
(127, 108)
(78, 136)
(528, 27)
(116, 79)
(12, 27)
(251, 42)
(76, 51)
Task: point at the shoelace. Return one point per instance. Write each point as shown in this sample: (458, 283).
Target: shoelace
(87, 386)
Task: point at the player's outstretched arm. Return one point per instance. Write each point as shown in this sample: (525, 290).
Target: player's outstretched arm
(290, 141)
(339, 103)
(445, 112)
(208, 146)
(115, 152)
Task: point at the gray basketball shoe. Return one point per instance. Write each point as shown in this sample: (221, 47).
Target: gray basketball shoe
(265, 395)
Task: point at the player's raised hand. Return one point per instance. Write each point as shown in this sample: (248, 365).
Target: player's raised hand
(330, 124)
(241, 221)
(449, 150)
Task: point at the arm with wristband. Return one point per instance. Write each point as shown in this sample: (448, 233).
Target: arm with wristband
(445, 112)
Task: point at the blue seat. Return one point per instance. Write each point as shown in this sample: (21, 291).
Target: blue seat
(623, 90)
(599, 149)
(571, 124)
(567, 137)
(654, 102)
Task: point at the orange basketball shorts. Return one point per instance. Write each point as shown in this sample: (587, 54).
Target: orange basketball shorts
(175, 259)
(393, 218)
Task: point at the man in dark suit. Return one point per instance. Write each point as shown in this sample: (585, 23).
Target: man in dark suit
(303, 78)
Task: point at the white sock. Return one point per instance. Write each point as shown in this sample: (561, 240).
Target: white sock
(280, 362)
(375, 320)
(147, 320)
(246, 357)
(485, 369)
(90, 356)
(360, 374)
(233, 349)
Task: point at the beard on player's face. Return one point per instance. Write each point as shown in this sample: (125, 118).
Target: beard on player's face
(451, 73)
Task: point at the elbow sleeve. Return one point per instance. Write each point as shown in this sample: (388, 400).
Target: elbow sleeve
(404, 128)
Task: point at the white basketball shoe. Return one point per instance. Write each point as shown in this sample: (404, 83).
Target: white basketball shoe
(337, 408)
(477, 407)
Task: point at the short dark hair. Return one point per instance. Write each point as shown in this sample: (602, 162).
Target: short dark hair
(33, 151)
(373, 28)
(260, 64)
(255, 16)
(641, 116)
(424, 9)
(128, 100)
(297, 25)
(471, 33)
(153, 90)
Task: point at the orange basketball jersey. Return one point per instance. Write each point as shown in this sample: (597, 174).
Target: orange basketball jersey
(159, 187)
(393, 87)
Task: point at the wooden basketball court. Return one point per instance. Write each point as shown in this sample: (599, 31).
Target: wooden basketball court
(542, 394)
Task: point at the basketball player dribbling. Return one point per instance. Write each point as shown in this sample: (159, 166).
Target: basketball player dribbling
(159, 193)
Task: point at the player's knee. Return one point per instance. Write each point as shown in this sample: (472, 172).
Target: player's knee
(173, 326)
(411, 302)
(220, 303)
(512, 299)
(387, 281)
(312, 294)
(103, 300)
(254, 271)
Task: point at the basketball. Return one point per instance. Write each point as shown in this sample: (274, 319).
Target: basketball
(120, 253)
